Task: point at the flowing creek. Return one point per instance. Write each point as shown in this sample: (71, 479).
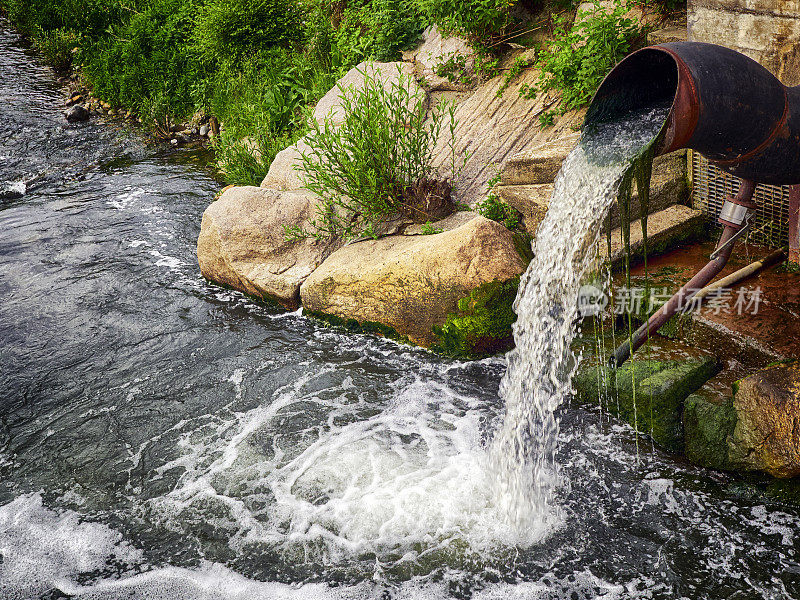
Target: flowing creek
(163, 438)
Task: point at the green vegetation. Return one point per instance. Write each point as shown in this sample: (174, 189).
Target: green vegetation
(377, 163)
(430, 229)
(493, 208)
(482, 323)
(480, 21)
(581, 53)
(259, 66)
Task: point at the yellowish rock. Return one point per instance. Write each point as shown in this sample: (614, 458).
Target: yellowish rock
(412, 283)
(242, 243)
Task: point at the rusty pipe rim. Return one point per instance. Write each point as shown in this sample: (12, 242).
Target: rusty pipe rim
(679, 88)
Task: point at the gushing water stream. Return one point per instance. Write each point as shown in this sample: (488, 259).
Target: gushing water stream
(541, 366)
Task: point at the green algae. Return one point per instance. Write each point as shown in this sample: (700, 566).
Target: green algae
(482, 322)
(660, 389)
(707, 426)
(355, 326)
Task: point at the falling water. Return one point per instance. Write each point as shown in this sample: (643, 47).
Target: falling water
(541, 366)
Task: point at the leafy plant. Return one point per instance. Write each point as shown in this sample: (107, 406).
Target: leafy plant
(377, 163)
(57, 45)
(429, 229)
(492, 207)
(454, 69)
(527, 91)
(547, 118)
(519, 65)
(227, 29)
(480, 21)
(369, 29)
(246, 161)
(580, 54)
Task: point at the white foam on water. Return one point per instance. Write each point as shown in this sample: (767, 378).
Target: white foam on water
(127, 198)
(45, 550)
(15, 189)
(415, 472)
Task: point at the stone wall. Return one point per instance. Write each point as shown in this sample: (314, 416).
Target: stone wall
(766, 30)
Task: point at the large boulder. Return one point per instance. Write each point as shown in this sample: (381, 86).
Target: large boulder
(243, 244)
(767, 432)
(284, 171)
(460, 283)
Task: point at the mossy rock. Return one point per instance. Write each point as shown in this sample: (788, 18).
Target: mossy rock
(355, 326)
(649, 395)
(707, 427)
(482, 323)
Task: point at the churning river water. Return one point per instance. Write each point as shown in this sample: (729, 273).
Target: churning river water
(163, 438)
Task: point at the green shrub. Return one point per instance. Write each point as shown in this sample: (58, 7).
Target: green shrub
(88, 17)
(148, 61)
(581, 54)
(231, 29)
(493, 208)
(369, 29)
(371, 166)
(56, 45)
(246, 161)
(480, 21)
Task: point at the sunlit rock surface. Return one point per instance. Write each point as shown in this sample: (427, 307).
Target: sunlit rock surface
(242, 243)
(412, 283)
(767, 433)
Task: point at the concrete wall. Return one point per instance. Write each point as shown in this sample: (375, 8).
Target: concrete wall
(765, 30)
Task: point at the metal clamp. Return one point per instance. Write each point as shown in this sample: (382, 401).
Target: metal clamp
(733, 213)
(748, 220)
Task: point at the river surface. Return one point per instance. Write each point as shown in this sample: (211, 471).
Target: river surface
(163, 438)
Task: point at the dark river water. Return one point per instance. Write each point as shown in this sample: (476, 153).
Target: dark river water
(163, 438)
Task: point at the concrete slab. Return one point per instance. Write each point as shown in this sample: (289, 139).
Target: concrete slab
(666, 229)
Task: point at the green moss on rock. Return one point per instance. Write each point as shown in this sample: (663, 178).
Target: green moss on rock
(482, 323)
(355, 326)
(707, 426)
(661, 387)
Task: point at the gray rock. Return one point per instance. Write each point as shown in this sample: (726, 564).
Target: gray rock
(204, 130)
(76, 113)
(243, 245)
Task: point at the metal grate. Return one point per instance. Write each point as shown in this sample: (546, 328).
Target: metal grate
(710, 187)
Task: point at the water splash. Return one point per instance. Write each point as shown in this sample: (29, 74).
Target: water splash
(541, 366)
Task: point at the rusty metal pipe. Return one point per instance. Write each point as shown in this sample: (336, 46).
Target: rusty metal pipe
(683, 298)
(794, 225)
(723, 104)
